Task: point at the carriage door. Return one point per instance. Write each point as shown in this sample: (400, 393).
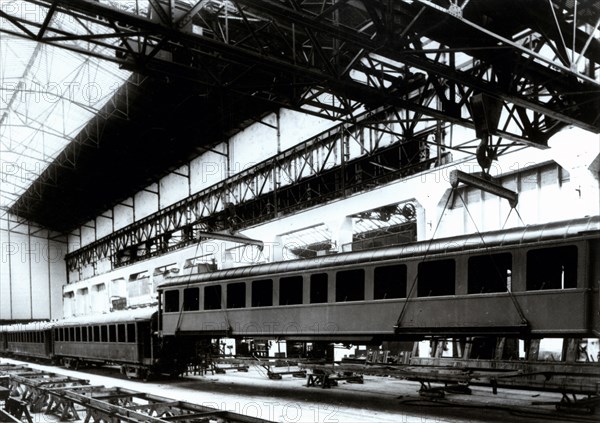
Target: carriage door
(145, 339)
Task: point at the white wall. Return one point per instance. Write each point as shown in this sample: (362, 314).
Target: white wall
(32, 272)
(253, 145)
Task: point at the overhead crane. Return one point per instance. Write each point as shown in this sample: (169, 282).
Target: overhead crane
(335, 58)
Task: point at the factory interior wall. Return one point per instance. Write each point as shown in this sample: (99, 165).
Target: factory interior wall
(32, 272)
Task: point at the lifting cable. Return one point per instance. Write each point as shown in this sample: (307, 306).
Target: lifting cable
(416, 278)
(187, 285)
(178, 326)
(414, 282)
(509, 212)
(510, 293)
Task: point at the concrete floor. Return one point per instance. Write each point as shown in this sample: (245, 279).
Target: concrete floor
(379, 399)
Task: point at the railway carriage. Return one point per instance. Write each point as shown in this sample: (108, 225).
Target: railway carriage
(123, 338)
(29, 340)
(535, 281)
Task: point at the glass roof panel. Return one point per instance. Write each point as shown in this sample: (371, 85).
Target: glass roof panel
(47, 96)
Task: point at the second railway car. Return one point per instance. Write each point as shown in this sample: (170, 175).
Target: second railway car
(31, 340)
(536, 281)
(124, 338)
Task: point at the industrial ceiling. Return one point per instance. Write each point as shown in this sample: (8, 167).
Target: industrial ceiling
(190, 74)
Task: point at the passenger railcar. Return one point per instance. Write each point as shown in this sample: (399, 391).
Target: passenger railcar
(30, 340)
(538, 281)
(123, 337)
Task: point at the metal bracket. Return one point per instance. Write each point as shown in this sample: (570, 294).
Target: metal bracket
(488, 185)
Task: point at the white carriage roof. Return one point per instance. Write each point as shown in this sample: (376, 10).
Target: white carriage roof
(121, 316)
(27, 327)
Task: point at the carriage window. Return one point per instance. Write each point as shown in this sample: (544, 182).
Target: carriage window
(78, 334)
(350, 285)
(172, 301)
(96, 333)
(212, 297)
(236, 295)
(72, 334)
(84, 334)
(191, 299)
(290, 290)
(262, 293)
(552, 268)
(112, 333)
(489, 273)
(121, 332)
(318, 288)
(103, 334)
(436, 278)
(130, 332)
(389, 282)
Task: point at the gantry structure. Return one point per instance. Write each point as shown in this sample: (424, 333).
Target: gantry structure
(514, 72)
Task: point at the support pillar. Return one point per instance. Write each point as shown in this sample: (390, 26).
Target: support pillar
(342, 231)
(571, 349)
(430, 207)
(533, 349)
(499, 348)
